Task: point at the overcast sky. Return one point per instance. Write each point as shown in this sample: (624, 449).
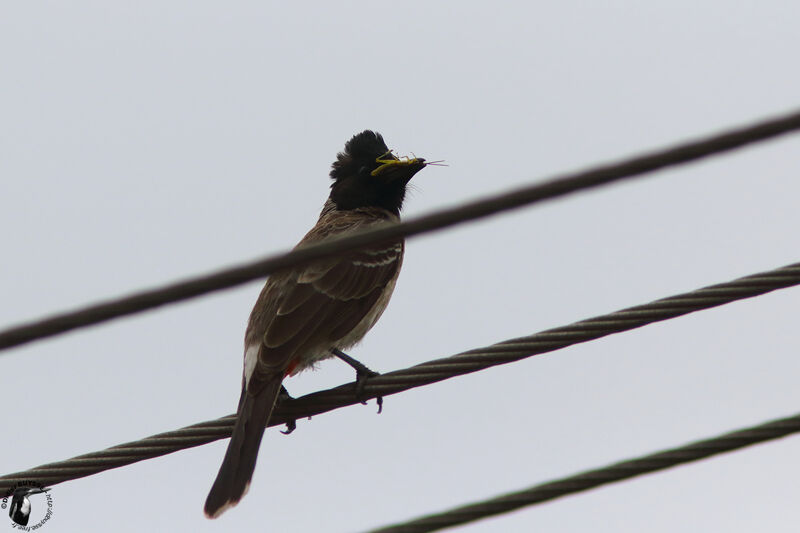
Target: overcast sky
(145, 141)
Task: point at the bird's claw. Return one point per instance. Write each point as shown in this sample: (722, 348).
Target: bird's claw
(361, 381)
(291, 425)
(363, 373)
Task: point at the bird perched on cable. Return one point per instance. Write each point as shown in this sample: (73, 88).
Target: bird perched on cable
(309, 313)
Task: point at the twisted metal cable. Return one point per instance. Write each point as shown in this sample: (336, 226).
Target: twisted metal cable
(543, 190)
(600, 476)
(419, 375)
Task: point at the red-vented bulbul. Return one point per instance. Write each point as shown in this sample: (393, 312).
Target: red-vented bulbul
(305, 314)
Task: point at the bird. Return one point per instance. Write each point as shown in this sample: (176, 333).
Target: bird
(309, 313)
(20, 509)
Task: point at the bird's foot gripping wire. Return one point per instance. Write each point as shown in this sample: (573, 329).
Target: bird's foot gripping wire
(363, 373)
(291, 425)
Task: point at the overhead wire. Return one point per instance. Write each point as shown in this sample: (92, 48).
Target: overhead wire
(419, 375)
(539, 191)
(590, 479)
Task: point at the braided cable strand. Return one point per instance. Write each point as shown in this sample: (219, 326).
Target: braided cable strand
(419, 375)
(600, 476)
(543, 190)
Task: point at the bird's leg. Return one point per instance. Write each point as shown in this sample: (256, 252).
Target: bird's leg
(363, 373)
(291, 425)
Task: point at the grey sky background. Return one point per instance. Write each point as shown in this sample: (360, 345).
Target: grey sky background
(142, 142)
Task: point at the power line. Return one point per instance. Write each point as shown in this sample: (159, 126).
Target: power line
(547, 189)
(419, 375)
(600, 476)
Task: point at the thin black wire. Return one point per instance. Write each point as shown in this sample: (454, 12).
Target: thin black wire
(419, 375)
(600, 476)
(547, 189)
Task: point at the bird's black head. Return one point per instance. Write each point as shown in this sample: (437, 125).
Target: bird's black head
(367, 174)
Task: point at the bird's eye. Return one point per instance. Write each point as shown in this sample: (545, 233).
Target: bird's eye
(363, 170)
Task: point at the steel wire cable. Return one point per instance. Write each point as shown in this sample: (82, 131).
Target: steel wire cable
(542, 190)
(594, 478)
(419, 375)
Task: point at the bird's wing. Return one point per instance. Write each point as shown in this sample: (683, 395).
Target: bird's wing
(319, 304)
